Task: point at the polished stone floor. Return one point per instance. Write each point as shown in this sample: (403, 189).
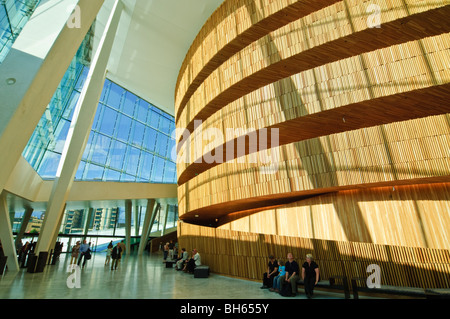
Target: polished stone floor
(138, 277)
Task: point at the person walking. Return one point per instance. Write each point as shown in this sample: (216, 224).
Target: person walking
(75, 253)
(116, 254)
(108, 253)
(310, 275)
(84, 247)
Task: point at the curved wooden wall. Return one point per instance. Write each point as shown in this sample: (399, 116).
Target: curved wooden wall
(357, 110)
(403, 230)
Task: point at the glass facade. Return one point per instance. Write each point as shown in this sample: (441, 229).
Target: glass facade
(14, 14)
(130, 139)
(102, 226)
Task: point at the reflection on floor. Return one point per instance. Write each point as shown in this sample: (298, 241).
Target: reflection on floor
(138, 277)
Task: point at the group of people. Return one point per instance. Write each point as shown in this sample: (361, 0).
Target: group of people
(114, 253)
(282, 276)
(182, 262)
(170, 250)
(82, 251)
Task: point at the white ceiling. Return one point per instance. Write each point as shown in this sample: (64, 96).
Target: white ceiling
(151, 44)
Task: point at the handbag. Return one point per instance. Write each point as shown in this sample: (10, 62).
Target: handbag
(88, 255)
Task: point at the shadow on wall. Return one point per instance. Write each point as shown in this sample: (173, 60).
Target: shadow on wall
(245, 255)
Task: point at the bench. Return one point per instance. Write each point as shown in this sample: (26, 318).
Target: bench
(437, 293)
(169, 263)
(201, 271)
(331, 284)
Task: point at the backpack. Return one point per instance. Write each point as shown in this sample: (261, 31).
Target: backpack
(286, 290)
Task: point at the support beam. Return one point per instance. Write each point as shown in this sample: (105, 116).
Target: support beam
(155, 213)
(33, 69)
(79, 131)
(128, 208)
(23, 226)
(149, 215)
(6, 235)
(163, 231)
(137, 210)
(88, 220)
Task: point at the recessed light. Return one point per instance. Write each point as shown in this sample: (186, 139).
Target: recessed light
(11, 81)
(196, 216)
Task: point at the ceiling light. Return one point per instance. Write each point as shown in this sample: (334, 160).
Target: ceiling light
(11, 81)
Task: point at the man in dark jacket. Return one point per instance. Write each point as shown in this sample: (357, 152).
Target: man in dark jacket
(116, 255)
(292, 273)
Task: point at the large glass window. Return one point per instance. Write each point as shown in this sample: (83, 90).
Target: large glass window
(132, 148)
(130, 138)
(14, 14)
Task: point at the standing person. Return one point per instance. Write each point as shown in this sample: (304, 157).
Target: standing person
(292, 275)
(272, 271)
(310, 275)
(180, 262)
(171, 247)
(108, 253)
(124, 247)
(75, 253)
(116, 254)
(166, 251)
(83, 250)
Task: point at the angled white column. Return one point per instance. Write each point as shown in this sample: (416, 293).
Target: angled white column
(163, 231)
(149, 216)
(6, 235)
(79, 131)
(33, 69)
(23, 226)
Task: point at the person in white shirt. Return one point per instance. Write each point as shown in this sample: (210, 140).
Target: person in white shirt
(193, 262)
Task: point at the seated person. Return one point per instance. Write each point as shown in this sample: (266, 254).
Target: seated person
(278, 279)
(193, 262)
(272, 271)
(182, 260)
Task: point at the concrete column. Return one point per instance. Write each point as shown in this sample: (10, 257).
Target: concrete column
(163, 230)
(137, 210)
(128, 208)
(79, 130)
(88, 220)
(23, 226)
(149, 215)
(33, 69)
(6, 235)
